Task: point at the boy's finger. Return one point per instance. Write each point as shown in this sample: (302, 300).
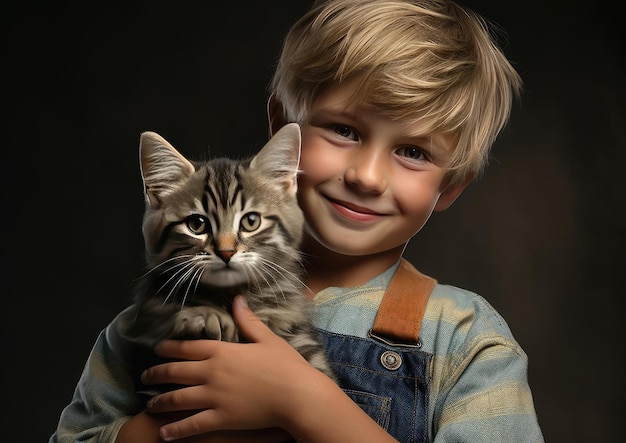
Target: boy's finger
(187, 400)
(186, 349)
(250, 326)
(180, 373)
(204, 421)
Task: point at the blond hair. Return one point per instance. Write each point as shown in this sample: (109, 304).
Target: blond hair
(425, 60)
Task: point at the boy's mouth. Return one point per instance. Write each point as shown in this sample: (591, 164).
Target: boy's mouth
(353, 207)
(353, 211)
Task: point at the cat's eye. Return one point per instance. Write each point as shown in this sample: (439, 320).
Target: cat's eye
(251, 221)
(197, 224)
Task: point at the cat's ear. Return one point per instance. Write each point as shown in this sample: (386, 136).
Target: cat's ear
(163, 168)
(280, 157)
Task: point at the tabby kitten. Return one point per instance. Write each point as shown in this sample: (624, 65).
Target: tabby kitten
(220, 228)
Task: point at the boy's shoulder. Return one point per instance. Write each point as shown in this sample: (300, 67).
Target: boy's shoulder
(457, 318)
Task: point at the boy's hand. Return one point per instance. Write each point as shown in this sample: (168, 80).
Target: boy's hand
(234, 386)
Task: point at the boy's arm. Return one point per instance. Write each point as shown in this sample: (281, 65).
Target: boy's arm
(104, 396)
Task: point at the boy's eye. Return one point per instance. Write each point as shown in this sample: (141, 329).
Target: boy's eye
(411, 152)
(197, 224)
(345, 131)
(251, 221)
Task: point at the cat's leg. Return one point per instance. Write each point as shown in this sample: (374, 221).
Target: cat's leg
(210, 322)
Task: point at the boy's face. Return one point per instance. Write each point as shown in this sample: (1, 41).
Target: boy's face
(368, 183)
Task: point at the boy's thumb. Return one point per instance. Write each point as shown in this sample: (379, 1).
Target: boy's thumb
(250, 326)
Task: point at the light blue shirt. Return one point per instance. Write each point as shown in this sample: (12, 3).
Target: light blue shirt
(478, 388)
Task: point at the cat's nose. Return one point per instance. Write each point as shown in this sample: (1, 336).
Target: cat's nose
(225, 246)
(226, 254)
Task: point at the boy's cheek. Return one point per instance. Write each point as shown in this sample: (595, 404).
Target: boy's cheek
(316, 162)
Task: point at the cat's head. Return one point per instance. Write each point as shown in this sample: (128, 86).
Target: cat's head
(218, 222)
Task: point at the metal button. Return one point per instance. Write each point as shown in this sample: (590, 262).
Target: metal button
(391, 360)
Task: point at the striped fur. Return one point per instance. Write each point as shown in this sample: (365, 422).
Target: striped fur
(216, 229)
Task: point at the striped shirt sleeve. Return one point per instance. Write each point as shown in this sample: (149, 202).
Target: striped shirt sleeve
(479, 388)
(104, 396)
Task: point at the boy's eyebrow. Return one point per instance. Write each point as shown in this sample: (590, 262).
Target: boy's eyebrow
(335, 112)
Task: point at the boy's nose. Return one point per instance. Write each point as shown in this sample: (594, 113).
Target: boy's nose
(366, 172)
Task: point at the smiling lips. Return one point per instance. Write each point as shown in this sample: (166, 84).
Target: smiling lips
(353, 212)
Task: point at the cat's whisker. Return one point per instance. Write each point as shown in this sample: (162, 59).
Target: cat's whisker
(166, 263)
(277, 283)
(289, 277)
(255, 274)
(169, 295)
(176, 271)
(199, 278)
(179, 268)
(184, 270)
(190, 270)
(282, 270)
(251, 277)
(197, 273)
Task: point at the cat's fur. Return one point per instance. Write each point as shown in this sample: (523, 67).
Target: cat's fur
(220, 228)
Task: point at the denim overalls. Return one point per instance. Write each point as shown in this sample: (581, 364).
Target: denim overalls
(387, 374)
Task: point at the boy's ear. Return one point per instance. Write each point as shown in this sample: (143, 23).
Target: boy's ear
(275, 115)
(450, 194)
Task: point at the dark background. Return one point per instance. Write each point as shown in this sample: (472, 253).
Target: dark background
(540, 235)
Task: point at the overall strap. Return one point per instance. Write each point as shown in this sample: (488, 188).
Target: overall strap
(400, 314)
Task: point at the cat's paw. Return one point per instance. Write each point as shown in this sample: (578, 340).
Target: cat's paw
(210, 322)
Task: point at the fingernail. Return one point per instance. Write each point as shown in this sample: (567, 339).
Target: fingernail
(243, 301)
(165, 435)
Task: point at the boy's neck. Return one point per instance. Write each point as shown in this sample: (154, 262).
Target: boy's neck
(326, 268)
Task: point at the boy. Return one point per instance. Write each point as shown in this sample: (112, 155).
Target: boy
(399, 102)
